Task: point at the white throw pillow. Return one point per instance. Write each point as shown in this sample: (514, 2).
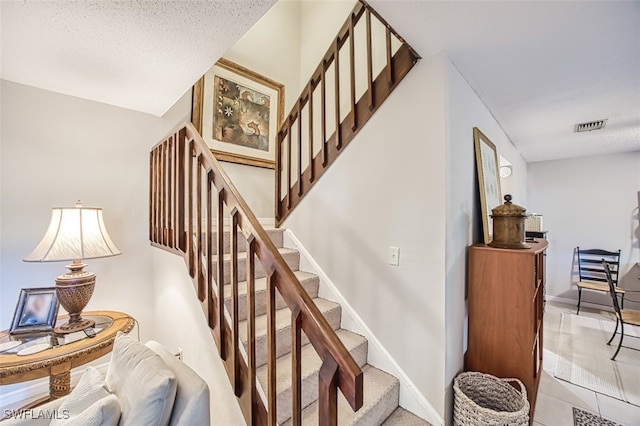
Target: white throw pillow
(105, 412)
(89, 390)
(144, 385)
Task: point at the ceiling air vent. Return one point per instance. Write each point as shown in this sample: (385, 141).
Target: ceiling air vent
(590, 125)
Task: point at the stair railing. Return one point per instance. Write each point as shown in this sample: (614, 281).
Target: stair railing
(190, 197)
(305, 152)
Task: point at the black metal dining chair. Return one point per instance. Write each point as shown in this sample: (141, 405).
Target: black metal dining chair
(623, 316)
(592, 275)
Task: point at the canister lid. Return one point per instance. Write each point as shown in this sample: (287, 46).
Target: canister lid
(508, 209)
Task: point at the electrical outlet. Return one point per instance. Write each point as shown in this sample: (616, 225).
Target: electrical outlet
(394, 256)
(180, 354)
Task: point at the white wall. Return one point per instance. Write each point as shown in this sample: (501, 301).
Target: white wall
(464, 111)
(272, 48)
(181, 323)
(321, 21)
(591, 202)
(387, 189)
(57, 149)
(350, 218)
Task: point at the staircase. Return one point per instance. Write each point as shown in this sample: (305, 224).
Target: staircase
(282, 345)
(287, 358)
(381, 390)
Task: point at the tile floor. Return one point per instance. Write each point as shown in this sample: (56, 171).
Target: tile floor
(556, 398)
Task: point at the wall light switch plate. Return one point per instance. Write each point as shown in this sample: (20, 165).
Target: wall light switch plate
(394, 256)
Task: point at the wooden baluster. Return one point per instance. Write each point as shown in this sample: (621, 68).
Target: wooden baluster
(160, 193)
(235, 313)
(389, 56)
(176, 192)
(151, 197)
(200, 277)
(296, 367)
(352, 72)
(251, 322)
(192, 257)
(168, 193)
(328, 392)
(220, 246)
(159, 189)
(181, 186)
(271, 349)
(311, 177)
(323, 113)
(369, 59)
(153, 205)
(170, 166)
(156, 195)
(336, 65)
(278, 165)
(165, 198)
(300, 148)
(163, 194)
(289, 161)
(209, 230)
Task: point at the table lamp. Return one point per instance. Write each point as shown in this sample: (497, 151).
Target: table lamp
(74, 234)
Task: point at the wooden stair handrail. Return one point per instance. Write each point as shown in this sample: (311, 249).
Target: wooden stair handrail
(181, 162)
(378, 90)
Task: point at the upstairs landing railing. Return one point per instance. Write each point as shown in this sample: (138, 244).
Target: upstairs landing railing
(364, 64)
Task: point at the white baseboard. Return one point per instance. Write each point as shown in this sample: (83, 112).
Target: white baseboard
(35, 389)
(583, 304)
(410, 397)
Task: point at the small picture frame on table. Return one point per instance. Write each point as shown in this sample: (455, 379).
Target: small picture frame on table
(36, 311)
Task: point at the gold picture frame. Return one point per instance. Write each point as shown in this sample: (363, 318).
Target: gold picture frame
(238, 112)
(488, 170)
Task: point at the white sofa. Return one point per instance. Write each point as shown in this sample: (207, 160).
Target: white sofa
(145, 384)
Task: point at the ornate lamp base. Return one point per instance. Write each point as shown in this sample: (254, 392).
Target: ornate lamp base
(74, 290)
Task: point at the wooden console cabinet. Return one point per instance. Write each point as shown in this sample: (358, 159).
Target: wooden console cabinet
(506, 309)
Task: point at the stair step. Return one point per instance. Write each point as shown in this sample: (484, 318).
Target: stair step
(309, 281)
(276, 235)
(332, 312)
(357, 345)
(381, 396)
(402, 417)
(291, 257)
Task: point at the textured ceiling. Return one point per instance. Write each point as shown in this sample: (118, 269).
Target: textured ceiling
(141, 55)
(539, 66)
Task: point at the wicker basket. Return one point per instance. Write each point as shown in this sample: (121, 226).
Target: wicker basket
(483, 399)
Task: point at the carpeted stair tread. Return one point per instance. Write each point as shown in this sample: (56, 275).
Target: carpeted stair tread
(309, 281)
(291, 257)
(332, 312)
(381, 396)
(402, 417)
(276, 235)
(356, 344)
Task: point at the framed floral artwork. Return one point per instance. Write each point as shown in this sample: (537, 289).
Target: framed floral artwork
(488, 180)
(238, 113)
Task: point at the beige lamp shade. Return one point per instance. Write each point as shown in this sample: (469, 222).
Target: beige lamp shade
(74, 233)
